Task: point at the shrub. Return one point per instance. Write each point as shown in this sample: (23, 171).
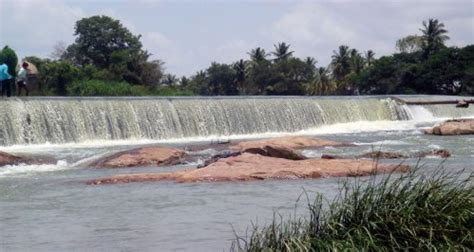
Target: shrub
(409, 212)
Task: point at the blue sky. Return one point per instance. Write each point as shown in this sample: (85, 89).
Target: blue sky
(189, 35)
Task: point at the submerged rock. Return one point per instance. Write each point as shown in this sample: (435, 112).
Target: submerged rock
(290, 142)
(392, 155)
(249, 167)
(9, 159)
(382, 155)
(147, 156)
(453, 127)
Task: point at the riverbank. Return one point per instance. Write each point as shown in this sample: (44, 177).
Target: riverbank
(403, 212)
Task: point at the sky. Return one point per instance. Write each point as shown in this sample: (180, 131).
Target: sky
(188, 35)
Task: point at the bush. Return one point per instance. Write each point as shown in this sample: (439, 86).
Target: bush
(173, 91)
(99, 88)
(410, 212)
(8, 56)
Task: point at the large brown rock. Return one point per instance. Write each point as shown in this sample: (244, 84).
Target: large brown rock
(147, 156)
(9, 159)
(453, 127)
(248, 167)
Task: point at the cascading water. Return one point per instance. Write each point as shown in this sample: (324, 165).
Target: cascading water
(62, 120)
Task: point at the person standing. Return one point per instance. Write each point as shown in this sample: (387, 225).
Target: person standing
(5, 78)
(22, 79)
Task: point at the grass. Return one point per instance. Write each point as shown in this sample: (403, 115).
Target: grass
(410, 212)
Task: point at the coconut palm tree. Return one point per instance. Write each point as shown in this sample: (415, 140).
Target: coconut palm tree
(170, 80)
(340, 63)
(258, 55)
(310, 61)
(240, 68)
(369, 58)
(282, 51)
(434, 36)
(356, 61)
(324, 79)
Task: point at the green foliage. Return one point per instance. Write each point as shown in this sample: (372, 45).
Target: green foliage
(114, 52)
(173, 91)
(99, 38)
(98, 88)
(409, 44)
(398, 213)
(8, 57)
(114, 88)
(56, 76)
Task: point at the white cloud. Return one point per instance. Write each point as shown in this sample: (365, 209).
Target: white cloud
(32, 26)
(317, 28)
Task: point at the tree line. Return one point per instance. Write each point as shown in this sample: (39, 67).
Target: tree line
(107, 59)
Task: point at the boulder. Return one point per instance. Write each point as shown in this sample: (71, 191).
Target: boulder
(251, 167)
(147, 156)
(453, 127)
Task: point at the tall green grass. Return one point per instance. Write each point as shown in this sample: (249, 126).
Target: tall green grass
(410, 212)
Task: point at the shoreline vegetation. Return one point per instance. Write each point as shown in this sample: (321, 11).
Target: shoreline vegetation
(106, 59)
(408, 211)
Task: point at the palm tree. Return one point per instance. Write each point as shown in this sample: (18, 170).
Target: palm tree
(258, 55)
(282, 51)
(341, 62)
(433, 36)
(369, 58)
(356, 61)
(170, 80)
(323, 74)
(310, 61)
(240, 68)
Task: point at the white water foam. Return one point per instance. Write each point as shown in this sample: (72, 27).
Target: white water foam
(339, 128)
(382, 143)
(25, 169)
(421, 114)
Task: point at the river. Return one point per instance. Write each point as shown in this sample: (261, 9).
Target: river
(50, 207)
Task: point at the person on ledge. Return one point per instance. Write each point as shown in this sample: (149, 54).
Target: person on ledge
(5, 78)
(22, 79)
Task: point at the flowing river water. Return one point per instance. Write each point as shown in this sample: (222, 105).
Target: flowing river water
(50, 208)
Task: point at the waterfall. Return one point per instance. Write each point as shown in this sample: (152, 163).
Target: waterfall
(62, 120)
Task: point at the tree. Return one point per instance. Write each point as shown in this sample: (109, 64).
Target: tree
(341, 62)
(433, 36)
(8, 57)
(356, 61)
(310, 61)
(409, 44)
(58, 50)
(98, 38)
(59, 74)
(258, 55)
(282, 51)
(240, 68)
(369, 58)
(170, 80)
(221, 79)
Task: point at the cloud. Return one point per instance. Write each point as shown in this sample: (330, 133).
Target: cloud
(34, 26)
(317, 28)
